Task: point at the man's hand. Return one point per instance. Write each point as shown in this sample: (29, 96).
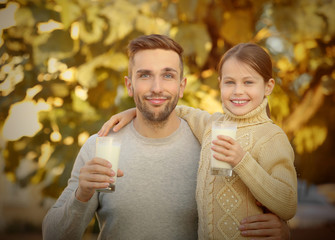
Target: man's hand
(265, 226)
(96, 173)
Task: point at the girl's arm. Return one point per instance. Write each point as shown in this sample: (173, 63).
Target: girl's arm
(118, 121)
(197, 119)
(272, 178)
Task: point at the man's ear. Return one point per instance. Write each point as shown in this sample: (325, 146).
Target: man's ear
(269, 86)
(182, 87)
(129, 86)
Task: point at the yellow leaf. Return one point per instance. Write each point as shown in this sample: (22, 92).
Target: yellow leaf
(308, 139)
(284, 64)
(300, 52)
(262, 34)
(237, 26)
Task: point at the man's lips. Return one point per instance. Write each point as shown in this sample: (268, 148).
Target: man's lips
(156, 100)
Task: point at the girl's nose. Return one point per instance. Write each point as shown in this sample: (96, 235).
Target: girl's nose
(238, 89)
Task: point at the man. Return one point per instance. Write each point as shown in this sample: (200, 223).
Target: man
(159, 155)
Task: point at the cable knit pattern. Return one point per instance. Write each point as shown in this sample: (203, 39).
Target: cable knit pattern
(265, 173)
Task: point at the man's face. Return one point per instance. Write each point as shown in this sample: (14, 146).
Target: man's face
(156, 85)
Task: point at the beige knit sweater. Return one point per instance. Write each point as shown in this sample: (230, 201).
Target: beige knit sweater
(265, 173)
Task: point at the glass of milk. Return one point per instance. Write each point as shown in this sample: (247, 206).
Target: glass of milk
(226, 128)
(109, 148)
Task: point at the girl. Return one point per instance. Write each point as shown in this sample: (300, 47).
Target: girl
(262, 157)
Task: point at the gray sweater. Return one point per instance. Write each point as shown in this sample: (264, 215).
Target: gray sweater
(154, 200)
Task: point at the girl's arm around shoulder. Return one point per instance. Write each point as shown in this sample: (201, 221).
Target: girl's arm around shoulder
(197, 119)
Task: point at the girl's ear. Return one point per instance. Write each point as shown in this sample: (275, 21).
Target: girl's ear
(269, 86)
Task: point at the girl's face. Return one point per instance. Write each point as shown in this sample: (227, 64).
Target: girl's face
(242, 88)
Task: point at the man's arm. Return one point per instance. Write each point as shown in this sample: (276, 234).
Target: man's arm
(75, 208)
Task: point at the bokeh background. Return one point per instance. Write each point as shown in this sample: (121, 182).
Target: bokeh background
(62, 68)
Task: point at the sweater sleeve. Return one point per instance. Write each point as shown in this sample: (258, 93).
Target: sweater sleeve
(69, 217)
(197, 119)
(272, 178)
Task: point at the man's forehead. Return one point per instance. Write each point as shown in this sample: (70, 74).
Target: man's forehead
(156, 60)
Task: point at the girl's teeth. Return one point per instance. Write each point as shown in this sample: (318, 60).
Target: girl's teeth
(239, 102)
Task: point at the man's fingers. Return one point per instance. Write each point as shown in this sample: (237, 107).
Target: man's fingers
(259, 218)
(261, 233)
(260, 225)
(119, 173)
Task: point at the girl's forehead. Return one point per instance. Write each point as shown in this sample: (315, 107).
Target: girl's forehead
(234, 65)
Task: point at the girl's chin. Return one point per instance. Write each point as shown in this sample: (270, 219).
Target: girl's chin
(238, 112)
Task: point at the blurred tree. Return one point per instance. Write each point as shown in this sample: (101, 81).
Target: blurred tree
(63, 63)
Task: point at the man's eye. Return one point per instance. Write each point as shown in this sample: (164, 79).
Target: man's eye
(144, 76)
(168, 75)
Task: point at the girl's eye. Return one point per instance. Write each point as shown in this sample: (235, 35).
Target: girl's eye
(229, 82)
(248, 82)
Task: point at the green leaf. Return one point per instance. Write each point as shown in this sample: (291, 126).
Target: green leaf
(24, 17)
(195, 40)
(150, 25)
(86, 72)
(91, 29)
(60, 90)
(70, 12)
(121, 16)
(83, 107)
(299, 21)
(58, 45)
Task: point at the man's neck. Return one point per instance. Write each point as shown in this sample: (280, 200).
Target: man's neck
(156, 129)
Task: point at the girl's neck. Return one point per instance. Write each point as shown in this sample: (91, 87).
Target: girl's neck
(258, 115)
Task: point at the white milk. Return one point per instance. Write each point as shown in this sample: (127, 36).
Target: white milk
(226, 129)
(108, 148)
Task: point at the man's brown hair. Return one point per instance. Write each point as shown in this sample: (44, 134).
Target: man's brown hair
(153, 41)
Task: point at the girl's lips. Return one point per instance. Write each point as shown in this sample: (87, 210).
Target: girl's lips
(239, 102)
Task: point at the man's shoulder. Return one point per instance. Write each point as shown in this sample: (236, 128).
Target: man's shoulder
(186, 132)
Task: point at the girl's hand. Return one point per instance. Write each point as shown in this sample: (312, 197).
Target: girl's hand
(227, 150)
(117, 121)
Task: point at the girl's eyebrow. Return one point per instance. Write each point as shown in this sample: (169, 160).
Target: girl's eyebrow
(227, 77)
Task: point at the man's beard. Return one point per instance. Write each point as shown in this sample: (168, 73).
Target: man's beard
(156, 118)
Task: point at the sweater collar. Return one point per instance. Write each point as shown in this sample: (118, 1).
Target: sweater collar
(256, 116)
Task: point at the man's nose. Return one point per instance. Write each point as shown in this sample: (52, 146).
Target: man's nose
(156, 85)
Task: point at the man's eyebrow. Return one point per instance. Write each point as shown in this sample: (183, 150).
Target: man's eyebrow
(170, 70)
(141, 71)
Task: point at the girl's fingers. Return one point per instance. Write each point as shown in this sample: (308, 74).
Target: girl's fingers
(105, 128)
